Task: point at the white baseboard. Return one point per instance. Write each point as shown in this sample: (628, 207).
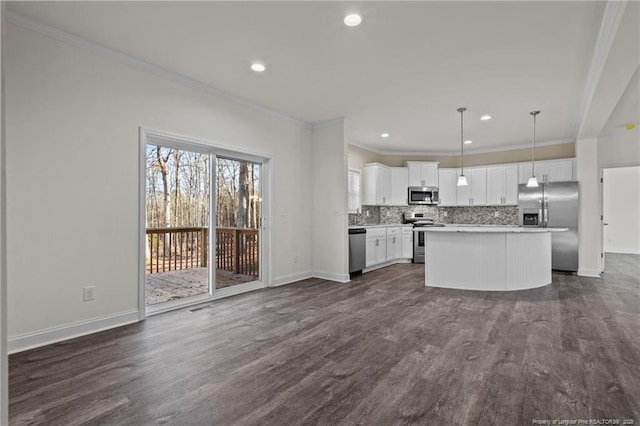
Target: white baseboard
(47, 336)
(331, 276)
(622, 251)
(378, 266)
(589, 273)
(291, 278)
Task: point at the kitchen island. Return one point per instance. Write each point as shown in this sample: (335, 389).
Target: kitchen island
(490, 258)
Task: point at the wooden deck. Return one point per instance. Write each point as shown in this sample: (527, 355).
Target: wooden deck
(173, 285)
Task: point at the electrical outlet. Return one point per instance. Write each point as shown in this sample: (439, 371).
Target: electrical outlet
(88, 293)
(496, 214)
(295, 259)
(367, 213)
(444, 214)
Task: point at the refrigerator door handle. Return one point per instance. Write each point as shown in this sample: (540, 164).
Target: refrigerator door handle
(545, 204)
(540, 217)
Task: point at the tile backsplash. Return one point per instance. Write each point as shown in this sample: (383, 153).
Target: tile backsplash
(479, 215)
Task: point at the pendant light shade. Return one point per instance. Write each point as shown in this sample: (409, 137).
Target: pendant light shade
(533, 182)
(462, 179)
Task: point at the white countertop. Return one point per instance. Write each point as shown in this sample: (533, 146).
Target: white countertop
(381, 226)
(510, 229)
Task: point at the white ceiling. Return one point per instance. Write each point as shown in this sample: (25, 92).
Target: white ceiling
(404, 71)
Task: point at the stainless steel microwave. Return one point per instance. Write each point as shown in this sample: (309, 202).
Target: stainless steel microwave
(423, 195)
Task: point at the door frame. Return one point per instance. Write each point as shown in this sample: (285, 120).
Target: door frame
(146, 136)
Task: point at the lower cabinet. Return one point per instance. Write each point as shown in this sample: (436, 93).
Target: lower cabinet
(376, 246)
(394, 243)
(386, 244)
(407, 243)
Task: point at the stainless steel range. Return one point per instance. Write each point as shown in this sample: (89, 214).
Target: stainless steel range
(419, 220)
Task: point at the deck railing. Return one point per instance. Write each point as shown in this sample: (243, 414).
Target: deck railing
(172, 249)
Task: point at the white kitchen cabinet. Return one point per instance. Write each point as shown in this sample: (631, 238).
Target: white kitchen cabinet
(548, 171)
(502, 185)
(377, 184)
(371, 251)
(422, 173)
(399, 186)
(448, 178)
(394, 243)
(559, 171)
(475, 193)
(376, 243)
(407, 242)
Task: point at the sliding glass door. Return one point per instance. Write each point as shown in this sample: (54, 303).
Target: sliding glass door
(237, 218)
(178, 214)
(202, 219)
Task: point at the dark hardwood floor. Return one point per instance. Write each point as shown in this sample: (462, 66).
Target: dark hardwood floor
(381, 350)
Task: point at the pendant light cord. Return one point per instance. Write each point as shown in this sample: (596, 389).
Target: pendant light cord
(533, 151)
(462, 140)
(461, 111)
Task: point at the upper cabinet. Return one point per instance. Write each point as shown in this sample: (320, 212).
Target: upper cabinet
(549, 171)
(448, 178)
(384, 185)
(399, 186)
(491, 185)
(422, 173)
(502, 185)
(377, 184)
(475, 193)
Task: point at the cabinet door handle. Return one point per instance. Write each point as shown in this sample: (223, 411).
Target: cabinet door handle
(377, 242)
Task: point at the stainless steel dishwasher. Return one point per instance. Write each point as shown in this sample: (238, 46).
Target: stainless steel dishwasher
(357, 250)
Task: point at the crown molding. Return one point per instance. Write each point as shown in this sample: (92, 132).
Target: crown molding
(466, 151)
(327, 123)
(611, 18)
(117, 56)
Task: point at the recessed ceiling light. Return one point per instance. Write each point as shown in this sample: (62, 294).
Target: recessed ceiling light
(257, 67)
(384, 135)
(468, 142)
(352, 20)
(485, 117)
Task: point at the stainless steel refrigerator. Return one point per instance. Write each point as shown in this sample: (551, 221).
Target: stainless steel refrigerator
(553, 205)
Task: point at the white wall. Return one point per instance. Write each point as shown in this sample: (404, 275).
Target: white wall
(589, 215)
(329, 206)
(72, 163)
(622, 148)
(621, 202)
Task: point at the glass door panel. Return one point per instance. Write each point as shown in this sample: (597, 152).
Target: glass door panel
(238, 210)
(177, 224)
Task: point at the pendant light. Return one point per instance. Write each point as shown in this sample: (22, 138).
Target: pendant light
(533, 182)
(462, 179)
